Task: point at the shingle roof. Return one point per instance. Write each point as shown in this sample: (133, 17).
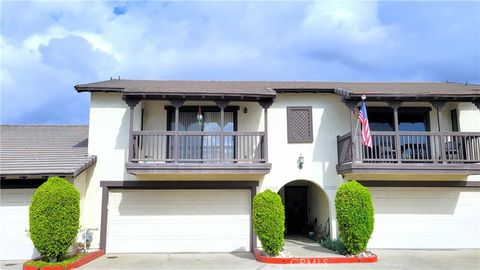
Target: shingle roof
(43, 150)
(346, 89)
(180, 87)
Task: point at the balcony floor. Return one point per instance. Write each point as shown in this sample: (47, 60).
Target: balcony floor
(198, 168)
(409, 168)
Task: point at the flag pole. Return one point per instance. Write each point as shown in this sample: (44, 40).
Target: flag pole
(356, 128)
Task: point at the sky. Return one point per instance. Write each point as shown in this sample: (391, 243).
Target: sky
(48, 47)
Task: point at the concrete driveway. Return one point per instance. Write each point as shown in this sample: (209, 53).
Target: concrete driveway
(388, 259)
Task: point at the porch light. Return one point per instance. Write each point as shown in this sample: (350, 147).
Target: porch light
(200, 116)
(300, 162)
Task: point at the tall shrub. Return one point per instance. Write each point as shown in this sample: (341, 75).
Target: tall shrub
(54, 217)
(353, 203)
(269, 221)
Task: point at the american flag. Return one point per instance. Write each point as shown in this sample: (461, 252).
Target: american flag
(363, 118)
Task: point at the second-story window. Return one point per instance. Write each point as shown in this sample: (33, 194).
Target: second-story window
(299, 124)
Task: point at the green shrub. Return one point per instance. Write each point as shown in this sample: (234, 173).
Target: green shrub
(334, 245)
(54, 217)
(354, 207)
(269, 221)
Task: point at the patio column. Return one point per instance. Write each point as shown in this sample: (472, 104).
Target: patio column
(177, 104)
(438, 105)
(222, 104)
(131, 104)
(353, 120)
(265, 105)
(395, 105)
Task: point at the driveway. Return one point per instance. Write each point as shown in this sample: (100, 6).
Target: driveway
(388, 259)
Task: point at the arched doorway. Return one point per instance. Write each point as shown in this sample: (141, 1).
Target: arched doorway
(307, 209)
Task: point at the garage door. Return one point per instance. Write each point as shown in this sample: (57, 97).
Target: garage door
(426, 218)
(178, 221)
(14, 240)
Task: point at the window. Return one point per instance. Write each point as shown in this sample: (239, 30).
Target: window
(409, 119)
(198, 146)
(299, 124)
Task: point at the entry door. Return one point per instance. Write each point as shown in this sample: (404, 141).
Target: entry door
(296, 210)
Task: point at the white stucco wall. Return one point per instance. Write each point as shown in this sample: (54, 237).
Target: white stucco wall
(108, 140)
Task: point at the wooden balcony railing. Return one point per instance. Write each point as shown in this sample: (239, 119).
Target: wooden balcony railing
(411, 147)
(198, 147)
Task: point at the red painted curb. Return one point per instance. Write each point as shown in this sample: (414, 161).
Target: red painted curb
(82, 261)
(85, 259)
(318, 260)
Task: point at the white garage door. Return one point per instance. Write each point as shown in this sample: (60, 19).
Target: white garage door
(178, 221)
(14, 241)
(426, 218)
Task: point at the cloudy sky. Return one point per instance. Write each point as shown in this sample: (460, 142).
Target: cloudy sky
(48, 47)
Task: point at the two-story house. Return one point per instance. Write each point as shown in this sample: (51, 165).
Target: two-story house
(178, 162)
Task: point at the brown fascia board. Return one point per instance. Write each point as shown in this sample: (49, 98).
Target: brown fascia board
(73, 173)
(81, 89)
(93, 160)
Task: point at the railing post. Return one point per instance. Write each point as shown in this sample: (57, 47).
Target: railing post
(438, 105)
(265, 105)
(395, 105)
(351, 105)
(222, 104)
(177, 104)
(131, 102)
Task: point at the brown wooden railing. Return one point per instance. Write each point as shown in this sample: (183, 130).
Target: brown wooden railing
(411, 147)
(198, 147)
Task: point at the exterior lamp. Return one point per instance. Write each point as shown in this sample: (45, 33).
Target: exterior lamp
(199, 116)
(300, 161)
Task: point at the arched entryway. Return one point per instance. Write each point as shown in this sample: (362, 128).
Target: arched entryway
(307, 209)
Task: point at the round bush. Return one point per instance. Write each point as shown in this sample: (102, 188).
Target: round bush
(54, 217)
(269, 221)
(353, 203)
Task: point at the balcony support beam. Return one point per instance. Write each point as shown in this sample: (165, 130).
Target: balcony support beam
(131, 103)
(395, 105)
(177, 104)
(265, 105)
(222, 104)
(438, 105)
(351, 105)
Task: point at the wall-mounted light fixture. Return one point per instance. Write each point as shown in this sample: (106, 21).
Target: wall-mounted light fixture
(245, 110)
(300, 161)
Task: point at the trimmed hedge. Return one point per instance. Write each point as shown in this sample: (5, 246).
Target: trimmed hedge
(269, 221)
(353, 203)
(54, 217)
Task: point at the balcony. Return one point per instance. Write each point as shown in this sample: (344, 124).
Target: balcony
(198, 151)
(410, 152)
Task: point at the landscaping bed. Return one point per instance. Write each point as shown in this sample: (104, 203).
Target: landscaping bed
(69, 263)
(261, 257)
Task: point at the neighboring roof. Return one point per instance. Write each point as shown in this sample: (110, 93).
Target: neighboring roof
(347, 90)
(43, 150)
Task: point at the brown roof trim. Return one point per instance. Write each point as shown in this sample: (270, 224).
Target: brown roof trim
(380, 183)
